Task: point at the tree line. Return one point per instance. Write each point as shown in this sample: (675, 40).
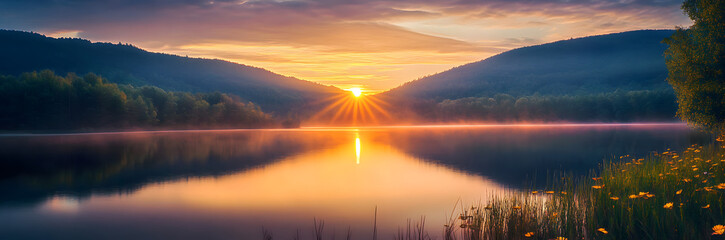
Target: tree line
(46, 101)
(618, 106)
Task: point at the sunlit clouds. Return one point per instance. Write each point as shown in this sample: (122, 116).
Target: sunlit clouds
(373, 44)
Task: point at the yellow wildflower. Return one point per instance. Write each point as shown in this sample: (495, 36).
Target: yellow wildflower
(602, 230)
(549, 192)
(721, 186)
(678, 192)
(614, 198)
(598, 186)
(668, 205)
(529, 234)
(718, 230)
(633, 196)
(706, 206)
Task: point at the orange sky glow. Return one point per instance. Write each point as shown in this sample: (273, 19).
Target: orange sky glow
(370, 44)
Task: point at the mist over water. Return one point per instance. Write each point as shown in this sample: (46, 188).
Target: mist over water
(235, 183)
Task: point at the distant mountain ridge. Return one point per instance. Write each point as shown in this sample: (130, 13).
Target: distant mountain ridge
(628, 61)
(25, 52)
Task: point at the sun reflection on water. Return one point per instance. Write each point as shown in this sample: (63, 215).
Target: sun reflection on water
(357, 149)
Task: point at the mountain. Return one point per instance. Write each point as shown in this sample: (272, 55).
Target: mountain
(125, 64)
(628, 61)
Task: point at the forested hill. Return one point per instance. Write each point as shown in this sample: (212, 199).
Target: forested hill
(125, 64)
(628, 61)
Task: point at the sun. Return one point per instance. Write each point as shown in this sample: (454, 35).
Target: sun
(355, 108)
(357, 92)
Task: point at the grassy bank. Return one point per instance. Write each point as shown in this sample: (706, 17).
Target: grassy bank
(667, 195)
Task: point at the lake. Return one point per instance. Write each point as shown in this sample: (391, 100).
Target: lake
(235, 184)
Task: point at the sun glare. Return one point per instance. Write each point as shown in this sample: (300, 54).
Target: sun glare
(356, 91)
(355, 108)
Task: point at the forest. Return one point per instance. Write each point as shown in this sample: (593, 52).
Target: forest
(126, 64)
(46, 101)
(608, 78)
(617, 106)
(628, 61)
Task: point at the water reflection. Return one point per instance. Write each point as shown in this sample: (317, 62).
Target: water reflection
(31, 168)
(357, 148)
(230, 184)
(519, 156)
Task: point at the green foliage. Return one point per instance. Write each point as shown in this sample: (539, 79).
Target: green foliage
(695, 61)
(615, 106)
(45, 101)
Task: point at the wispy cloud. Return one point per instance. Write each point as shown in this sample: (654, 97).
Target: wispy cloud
(374, 43)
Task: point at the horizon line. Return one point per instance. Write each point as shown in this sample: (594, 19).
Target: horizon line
(352, 128)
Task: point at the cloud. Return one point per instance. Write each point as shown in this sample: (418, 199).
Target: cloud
(331, 40)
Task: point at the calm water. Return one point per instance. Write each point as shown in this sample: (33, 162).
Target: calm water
(234, 184)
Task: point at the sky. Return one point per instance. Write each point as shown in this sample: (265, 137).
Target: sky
(371, 44)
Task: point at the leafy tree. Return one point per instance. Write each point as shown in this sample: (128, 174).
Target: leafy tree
(695, 64)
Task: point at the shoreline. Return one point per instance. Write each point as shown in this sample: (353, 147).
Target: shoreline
(350, 128)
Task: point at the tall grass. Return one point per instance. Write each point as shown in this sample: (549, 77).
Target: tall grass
(666, 195)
